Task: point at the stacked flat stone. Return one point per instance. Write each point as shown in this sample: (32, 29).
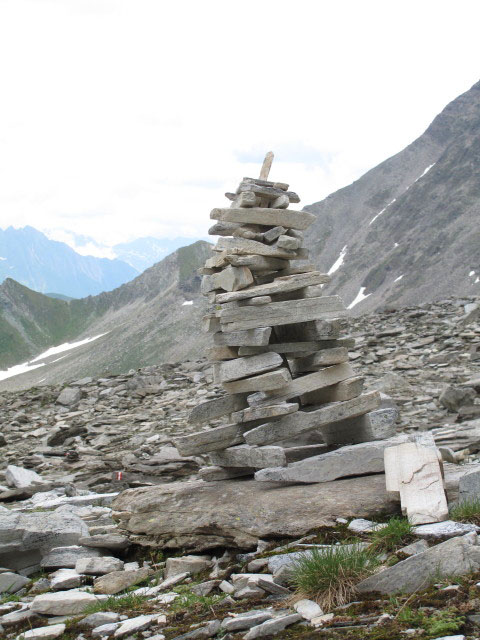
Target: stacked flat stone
(280, 352)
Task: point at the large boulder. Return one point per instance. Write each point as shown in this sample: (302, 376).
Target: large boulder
(26, 537)
(200, 515)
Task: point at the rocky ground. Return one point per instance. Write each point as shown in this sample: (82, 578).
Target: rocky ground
(74, 562)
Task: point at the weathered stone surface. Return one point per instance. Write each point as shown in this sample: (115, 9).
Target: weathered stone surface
(105, 541)
(229, 279)
(217, 408)
(246, 620)
(248, 366)
(26, 537)
(19, 477)
(190, 514)
(211, 439)
(268, 217)
(344, 390)
(243, 246)
(97, 619)
(304, 384)
(279, 285)
(281, 313)
(69, 396)
(98, 566)
(455, 397)
(376, 425)
(469, 488)
(135, 625)
(354, 460)
(416, 547)
(455, 557)
(65, 579)
(301, 421)
(12, 582)
(187, 564)
(62, 603)
(264, 382)
(272, 627)
(245, 456)
(322, 358)
(251, 337)
(265, 412)
(43, 633)
(117, 581)
(308, 609)
(66, 557)
(445, 529)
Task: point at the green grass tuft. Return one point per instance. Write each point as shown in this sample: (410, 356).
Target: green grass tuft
(125, 602)
(466, 511)
(394, 535)
(190, 601)
(440, 623)
(329, 576)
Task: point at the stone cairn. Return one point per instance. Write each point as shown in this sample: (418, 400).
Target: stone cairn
(297, 410)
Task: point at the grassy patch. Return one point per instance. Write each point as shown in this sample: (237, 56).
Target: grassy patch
(466, 511)
(394, 535)
(329, 576)
(189, 601)
(126, 602)
(439, 623)
(10, 597)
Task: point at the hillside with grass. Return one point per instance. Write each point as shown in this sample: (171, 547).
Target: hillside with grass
(153, 318)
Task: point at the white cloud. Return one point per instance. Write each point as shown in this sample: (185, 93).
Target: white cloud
(126, 118)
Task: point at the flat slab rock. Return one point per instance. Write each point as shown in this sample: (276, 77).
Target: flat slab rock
(201, 515)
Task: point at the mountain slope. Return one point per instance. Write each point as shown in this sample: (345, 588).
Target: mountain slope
(407, 231)
(29, 257)
(154, 318)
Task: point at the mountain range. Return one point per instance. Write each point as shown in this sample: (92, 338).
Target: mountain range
(405, 233)
(48, 266)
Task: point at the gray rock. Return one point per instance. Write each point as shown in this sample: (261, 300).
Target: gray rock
(198, 520)
(135, 625)
(62, 603)
(26, 537)
(115, 542)
(446, 529)
(43, 633)
(19, 477)
(12, 582)
(308, 609)
(117, 581)
(105, 630)
(246, 620)
(356, 459)
(272, 627)
(187, 564)
(452, 398)
(100, 618)
(98, 566)
(66, 557)
(69, 396)
(360, 525)
(209, 630)
(19, 617)
(65, 579)
(416, 547)
(469, 486)
(454, 557)
(375, 425)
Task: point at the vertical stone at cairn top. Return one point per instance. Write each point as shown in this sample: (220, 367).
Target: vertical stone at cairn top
(280, 352)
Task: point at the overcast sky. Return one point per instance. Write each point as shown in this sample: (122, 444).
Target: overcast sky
(127, 118)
